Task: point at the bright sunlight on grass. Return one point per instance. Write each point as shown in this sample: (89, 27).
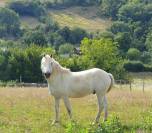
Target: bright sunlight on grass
(31, 110)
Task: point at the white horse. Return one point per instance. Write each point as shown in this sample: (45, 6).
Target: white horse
(63, 83)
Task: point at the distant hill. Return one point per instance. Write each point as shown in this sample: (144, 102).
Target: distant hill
(83, 17)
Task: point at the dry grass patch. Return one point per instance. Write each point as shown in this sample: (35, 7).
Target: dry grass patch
(32, 109)
(83, 17)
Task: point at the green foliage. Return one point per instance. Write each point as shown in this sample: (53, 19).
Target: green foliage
(110, 7)
(35, 37)
(147, 117)
(135, 12)
(55, 39)
(119, 26)
(133, 54)
(124, 41)
(9, 23)
(73, 36)
(66, 49)
(74, 127)
(112, 125)
(65, 3)
(99, 53)
(102, 54)
(134, 66)
(146, 57)
(24, 63)
(10, 83)
(28, 8)
(149, 41)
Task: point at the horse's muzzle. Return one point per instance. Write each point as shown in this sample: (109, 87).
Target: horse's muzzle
(47, 75)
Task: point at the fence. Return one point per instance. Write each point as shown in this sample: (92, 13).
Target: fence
(139, 84)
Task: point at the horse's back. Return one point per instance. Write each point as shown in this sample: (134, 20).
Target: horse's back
(90, 71)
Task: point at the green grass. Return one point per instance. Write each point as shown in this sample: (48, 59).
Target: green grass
(31, 110)
(83, 17)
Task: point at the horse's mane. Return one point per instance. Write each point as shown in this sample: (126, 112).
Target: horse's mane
(60, 68)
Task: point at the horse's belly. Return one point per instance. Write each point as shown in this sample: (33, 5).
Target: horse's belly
(79, 93)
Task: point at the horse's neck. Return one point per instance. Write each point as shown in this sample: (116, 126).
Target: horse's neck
(61, 69)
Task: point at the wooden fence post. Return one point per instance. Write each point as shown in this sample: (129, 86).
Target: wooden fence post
(130, 86)
(143, 88)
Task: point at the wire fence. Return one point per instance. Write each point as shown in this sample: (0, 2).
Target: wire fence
(140, 84)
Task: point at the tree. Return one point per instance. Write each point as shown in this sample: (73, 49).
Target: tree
(30, 8)
(9, 23)
(135, 12)
(101, 53)
(77, 34)
(35, 37)
(133, 54)
(66, 49)
(119, 26)
(110, 7)
(124, 41)
(149, 41)
(26, 63)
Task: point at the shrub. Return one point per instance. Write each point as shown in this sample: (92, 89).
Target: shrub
(74, 127)
(134, 66)
(133, 54)
(66, 49)
(148, 68)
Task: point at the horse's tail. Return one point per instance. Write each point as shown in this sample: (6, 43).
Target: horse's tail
(112, 82)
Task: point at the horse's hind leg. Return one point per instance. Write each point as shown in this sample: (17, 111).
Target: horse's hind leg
(68, 106)
(100, 107)
(105, 108)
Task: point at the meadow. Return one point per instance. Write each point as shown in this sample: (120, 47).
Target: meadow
(31, 110)
(83, 17)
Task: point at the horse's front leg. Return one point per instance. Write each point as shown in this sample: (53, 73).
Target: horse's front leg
(57, 101)
(68, 106)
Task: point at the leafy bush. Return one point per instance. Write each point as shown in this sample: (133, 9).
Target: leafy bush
(147, 68)
(24, 63)
(134, 66)
(112, 125)
(133, 54)
(74, 127)
(66, 49)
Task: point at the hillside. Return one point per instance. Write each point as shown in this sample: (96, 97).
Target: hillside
(83, 17)
(2, 3)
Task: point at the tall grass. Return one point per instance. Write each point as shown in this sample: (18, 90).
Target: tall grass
(31, 110)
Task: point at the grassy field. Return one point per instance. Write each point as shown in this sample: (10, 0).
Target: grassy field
(31, 110)
(83, 17)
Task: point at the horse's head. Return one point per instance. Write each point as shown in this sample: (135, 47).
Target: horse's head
(47, 65)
